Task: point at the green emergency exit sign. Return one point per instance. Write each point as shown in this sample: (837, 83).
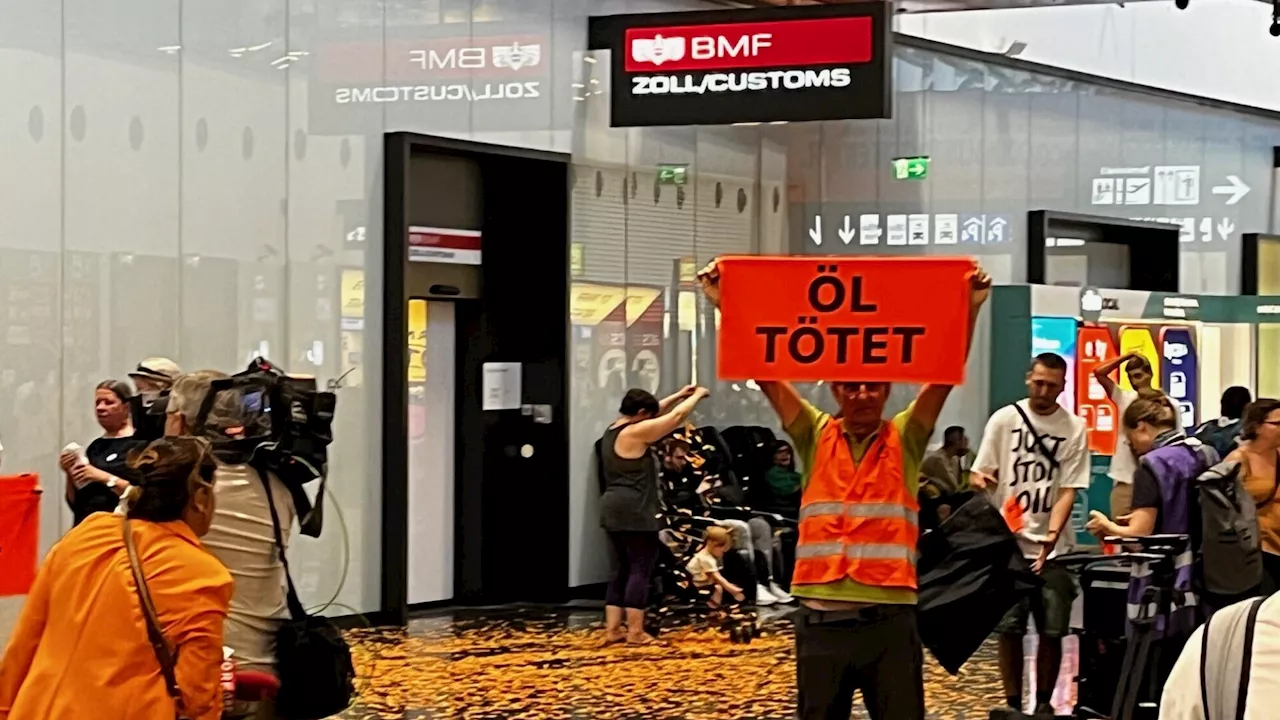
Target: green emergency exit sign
(673, 174)
(911, 168)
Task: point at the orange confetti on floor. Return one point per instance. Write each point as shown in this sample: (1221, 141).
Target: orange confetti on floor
(539, 664)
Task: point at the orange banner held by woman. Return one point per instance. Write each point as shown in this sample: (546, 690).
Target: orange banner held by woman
(851, 319)
(19, 532)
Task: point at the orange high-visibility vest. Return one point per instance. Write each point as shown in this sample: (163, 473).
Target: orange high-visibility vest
(857, 520)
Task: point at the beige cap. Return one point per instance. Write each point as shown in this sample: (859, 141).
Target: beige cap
(159, 369)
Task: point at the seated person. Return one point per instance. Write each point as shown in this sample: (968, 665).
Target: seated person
(780, 493)
(704, 567)
(679, 480)
(948, 466)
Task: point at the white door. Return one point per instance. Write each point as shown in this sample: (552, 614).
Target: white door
(432, 336)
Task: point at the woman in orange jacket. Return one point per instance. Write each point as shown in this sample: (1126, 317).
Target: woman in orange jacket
(81, 647)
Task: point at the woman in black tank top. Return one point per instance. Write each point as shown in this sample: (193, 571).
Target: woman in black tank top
(629, 506)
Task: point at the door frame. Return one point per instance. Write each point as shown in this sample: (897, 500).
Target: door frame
(394, 533)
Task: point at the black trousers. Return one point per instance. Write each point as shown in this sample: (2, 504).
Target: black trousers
(635, 554)
(876, 650)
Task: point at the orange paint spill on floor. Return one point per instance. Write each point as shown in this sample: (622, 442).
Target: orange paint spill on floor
(540, 664)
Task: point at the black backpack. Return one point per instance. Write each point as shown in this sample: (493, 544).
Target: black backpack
(1230, 556)
(1218, 436)
(313, 661)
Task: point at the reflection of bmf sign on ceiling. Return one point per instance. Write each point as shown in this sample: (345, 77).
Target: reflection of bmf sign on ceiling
(514, 57)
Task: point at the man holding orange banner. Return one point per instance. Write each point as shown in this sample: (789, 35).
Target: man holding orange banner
(855, 561)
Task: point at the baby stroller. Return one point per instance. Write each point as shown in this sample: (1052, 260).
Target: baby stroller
(1126, 655)
(686, 526)
(677, 598)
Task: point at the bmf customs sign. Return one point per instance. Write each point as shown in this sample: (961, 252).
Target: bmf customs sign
(732, 66)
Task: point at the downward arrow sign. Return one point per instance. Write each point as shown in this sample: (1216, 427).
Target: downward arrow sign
(1225, 227)
(815, 232)
(1237, 189)
(847, 232)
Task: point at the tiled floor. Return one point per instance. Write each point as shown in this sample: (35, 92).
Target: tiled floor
(538, 663)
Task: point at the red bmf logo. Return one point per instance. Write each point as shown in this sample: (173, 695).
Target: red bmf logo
(784, 43)
(657, 49)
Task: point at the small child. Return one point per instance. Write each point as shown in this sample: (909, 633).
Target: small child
(705, 566)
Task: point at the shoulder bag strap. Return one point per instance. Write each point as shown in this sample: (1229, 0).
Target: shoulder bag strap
(296, 610)
(1204, 668)
(1275, 483)
(164, 654)
(1246, 659)
(1224, 687)
(1053, 461)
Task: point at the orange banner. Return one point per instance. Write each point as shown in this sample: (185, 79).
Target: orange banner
(19, 533)
(868, 319)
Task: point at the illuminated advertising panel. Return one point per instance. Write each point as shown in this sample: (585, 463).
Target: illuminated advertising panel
(1179, 371)
(723, 67)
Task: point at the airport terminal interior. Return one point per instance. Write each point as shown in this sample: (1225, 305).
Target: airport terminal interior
(445, 291)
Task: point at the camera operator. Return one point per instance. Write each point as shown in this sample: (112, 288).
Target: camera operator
(241, 535)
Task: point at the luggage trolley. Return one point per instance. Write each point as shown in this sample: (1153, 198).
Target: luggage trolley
(1125, 660)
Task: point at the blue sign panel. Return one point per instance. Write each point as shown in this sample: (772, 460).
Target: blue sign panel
(1179, 371)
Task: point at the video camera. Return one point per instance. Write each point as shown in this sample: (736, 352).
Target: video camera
(274, 422)
(265, 418)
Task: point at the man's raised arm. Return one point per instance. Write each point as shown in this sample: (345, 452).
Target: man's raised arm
(932, 397)
(786, 402)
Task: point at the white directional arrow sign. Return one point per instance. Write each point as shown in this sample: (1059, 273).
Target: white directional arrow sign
(815, 232)
(1236, 189)
(1225, 228)
(847, 232)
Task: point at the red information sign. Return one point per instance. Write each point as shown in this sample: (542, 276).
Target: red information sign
(444, 245)
(869, 319)
(19, 533)
(787, 43)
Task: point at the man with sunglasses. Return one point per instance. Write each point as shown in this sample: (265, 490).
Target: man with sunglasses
(855, 561)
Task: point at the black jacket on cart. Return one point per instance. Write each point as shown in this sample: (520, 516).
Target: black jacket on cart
(971, 572)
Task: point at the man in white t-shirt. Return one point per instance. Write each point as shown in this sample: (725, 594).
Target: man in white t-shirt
(1034, 456)
(1123, 462)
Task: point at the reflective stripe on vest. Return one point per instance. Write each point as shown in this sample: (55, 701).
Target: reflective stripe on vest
(867, 552)
(864, 510)
(857, 520)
